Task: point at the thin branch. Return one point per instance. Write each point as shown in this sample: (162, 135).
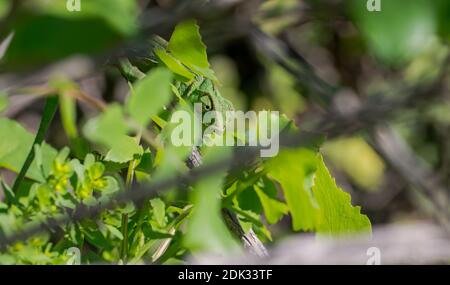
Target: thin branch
(415, 171)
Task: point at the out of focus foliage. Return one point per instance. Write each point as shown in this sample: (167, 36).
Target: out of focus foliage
(88, 157)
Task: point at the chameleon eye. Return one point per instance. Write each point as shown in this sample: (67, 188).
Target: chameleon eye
(207, 104)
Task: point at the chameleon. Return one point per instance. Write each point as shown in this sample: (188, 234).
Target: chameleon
(203, 90)
(199, 90)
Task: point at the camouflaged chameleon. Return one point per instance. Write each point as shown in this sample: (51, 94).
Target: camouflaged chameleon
(199, 90)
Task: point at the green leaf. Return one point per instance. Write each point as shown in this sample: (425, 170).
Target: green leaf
(248, 200)
(159, 211)
(206, 230)
(68, 115)
(108, 127)
(4, 7)
(14, 150)
(150, 95)
(443, 8)
(51, 104)
(274, 210)
(10, 197)
(146, 162)
(4, 102)
(115, 232)
(313, 198)
(248, 216)
(186, 45)
(100, 25)
(293, 169)
(96, 171)
(112, 186)
(337, 215)
(174, 65)
(121, 15)
(95, 236)
(399, 32)
(123, 149)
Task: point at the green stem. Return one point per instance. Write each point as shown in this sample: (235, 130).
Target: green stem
(124, 245)
(51, 104)
(132, 74)
(128, 182)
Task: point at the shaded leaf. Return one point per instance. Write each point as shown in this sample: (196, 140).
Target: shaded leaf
(399, 31)
(274, 210)
(100, 25)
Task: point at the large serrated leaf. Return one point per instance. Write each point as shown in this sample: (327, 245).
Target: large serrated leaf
(337, 215)
(315, 202)
(187, 46)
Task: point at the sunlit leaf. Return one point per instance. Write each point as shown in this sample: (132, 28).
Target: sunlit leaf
(206, 230)
(123, 150)
(186, 45)
(15, 146)
(150, 95)
(108, 127)
(293, 169)
(159, 211)
(174, 65)
(337, 215)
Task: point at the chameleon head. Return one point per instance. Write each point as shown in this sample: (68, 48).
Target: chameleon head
(210, 98)
(207, 102)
